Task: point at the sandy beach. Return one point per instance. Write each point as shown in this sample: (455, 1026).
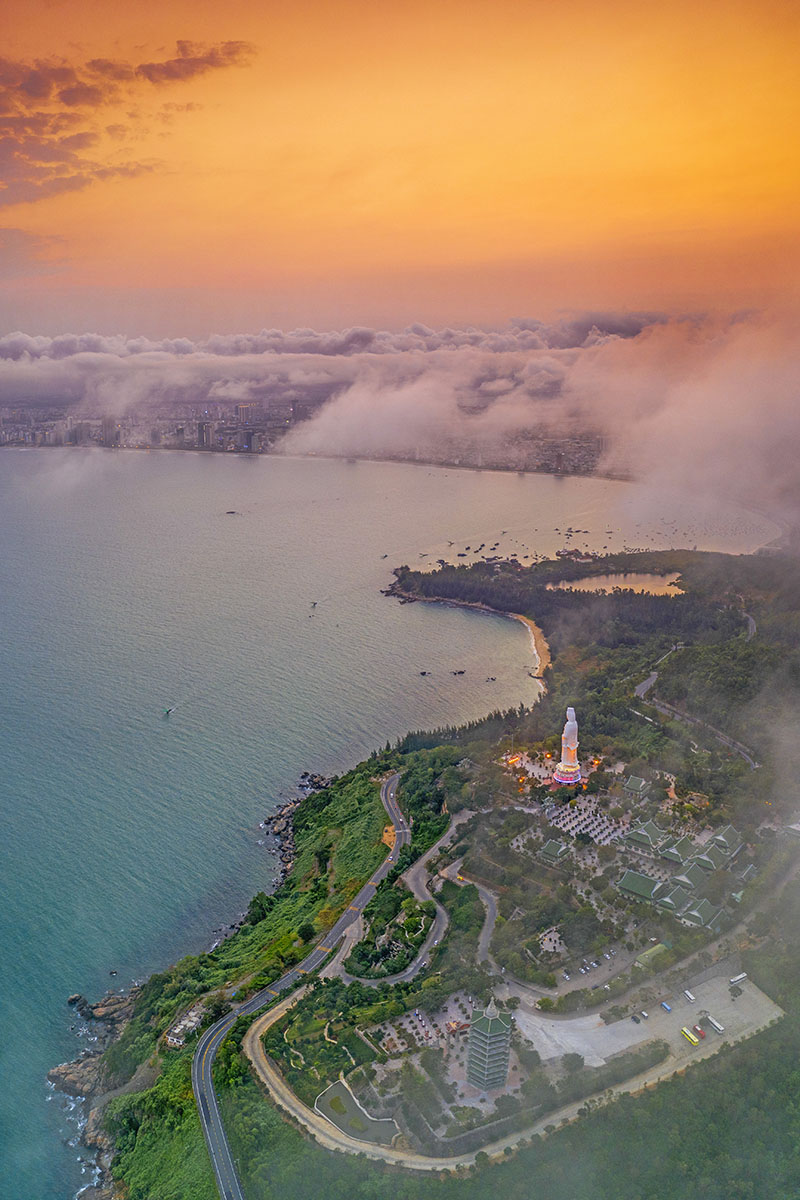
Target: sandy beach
(541, 650)
(540, 646)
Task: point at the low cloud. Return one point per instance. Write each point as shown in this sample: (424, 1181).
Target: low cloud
(709, 408)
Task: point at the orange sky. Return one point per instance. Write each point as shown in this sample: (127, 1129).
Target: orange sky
(381, 163)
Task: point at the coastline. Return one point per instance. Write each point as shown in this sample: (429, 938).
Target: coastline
(84, 1079)
(539, 643)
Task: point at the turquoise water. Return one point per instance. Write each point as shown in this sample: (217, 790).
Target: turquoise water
(125, 587)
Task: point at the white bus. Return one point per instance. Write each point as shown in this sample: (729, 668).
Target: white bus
(688, 995)
(716, 1025)
(739, 978)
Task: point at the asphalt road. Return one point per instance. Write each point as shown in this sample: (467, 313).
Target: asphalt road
(202, 1082)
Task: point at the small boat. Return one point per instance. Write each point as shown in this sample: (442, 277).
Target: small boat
(168, 711)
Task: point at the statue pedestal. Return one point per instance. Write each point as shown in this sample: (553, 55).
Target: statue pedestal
(567, 773)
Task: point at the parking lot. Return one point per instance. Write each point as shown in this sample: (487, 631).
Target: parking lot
(596, 1041)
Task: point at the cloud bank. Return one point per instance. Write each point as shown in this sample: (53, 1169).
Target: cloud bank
(708, 407)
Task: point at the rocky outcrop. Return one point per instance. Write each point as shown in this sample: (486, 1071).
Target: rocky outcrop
(84, 1076)
(87, 1077)
(96, 1138)
(281, 827)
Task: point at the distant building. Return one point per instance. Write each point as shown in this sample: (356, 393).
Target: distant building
(489, 1048)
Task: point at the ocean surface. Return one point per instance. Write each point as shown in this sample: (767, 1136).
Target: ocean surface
(131, 582)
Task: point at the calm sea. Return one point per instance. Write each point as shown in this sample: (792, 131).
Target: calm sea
(130, 582)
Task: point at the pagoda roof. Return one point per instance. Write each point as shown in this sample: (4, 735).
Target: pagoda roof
(678, 851)
(489, 1020)
(647, 834)
(728, 839)
(692, 877)
(703, 913)
(675, 900)
(711, 858)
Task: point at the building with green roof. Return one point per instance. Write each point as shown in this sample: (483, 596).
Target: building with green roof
(636, 788)
(647, 956)
(489, 1048)
(674, 900)
(679, 850)
(711, 858)
(692, 877)
(705, 914)
(553, 852)
(637, 886)
(728, 840)
(647, 836)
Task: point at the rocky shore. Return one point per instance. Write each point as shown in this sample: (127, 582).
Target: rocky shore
(280, 826)
(86, 1077)
(281, 829)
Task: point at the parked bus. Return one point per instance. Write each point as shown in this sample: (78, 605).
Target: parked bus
(716, 1025)
(666, 1006)
(688, 995)
(738, 978)
(690, 1037)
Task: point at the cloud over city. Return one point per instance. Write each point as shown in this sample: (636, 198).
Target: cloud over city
(701, 405)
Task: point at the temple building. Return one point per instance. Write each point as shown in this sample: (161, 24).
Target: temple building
(489, 1047)
(568, 770)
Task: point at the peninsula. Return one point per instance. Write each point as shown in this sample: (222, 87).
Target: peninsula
(622, 927)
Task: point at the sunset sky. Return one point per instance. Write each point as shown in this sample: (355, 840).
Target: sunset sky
(180, 168)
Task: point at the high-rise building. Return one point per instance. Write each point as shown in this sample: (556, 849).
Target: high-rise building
(110, 432)
(489, 1047)
(568, 770)
(205, 435)
(246, 414)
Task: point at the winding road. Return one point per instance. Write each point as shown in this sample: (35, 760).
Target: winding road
(202, 1064)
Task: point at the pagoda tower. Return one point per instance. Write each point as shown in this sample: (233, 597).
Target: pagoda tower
(488, 1049)
(568, 770)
